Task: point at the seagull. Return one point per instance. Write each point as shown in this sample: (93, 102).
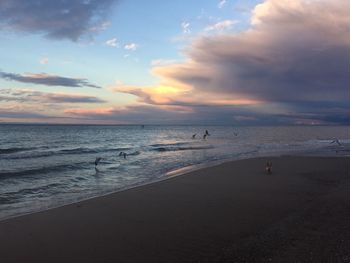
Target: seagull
(194, 136)
(205, 136)
(98, 159)
(207, 133)
(235, 133)
(268, 167)
(123, 154)
(337, 142)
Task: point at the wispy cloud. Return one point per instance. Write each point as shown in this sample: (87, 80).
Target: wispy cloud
(44, 61)
(162, 62)
(55, 19)
(18, 114)
(91, 112)
(112, 42)
(131, 114)
(201, 114)
(33, 96)
(222, 3)
(221, 26)
(101, 27)
(69, 98)
(48, 80)
(185, 27)
(131, 46)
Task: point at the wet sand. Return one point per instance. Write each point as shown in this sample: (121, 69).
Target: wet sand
(233, 212)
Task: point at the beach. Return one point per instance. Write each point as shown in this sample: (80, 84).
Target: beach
(233, 212)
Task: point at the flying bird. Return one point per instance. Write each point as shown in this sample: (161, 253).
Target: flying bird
(194, 136)
(337, 142)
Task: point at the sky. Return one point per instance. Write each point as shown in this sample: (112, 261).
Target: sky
(225, 62)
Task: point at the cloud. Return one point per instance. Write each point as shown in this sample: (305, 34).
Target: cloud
(222, 3)
(32, 96)
(290, 67)
(185, 27)
(221, 26)
(101, 27)
(201, 115)
(142, 114)
(131, 46)
(15, 114)
(70, 98)
(55, 19)
(162, 62)
(44, 61)
(179, 96)
(27, 105)
(112, 42)
(295, 55)
(48, 80)
(91, 112)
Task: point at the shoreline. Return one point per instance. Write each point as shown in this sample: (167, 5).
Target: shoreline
(166, 176)
(206, 214)
(169, 175)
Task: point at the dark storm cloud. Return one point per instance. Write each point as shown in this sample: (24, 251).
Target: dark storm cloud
(323, 112)
(296, 53)
(59, 19)
(48, 80)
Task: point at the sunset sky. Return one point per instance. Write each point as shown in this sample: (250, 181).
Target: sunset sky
(234, 62)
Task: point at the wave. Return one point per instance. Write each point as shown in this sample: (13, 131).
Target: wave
(157, 145)
(12, 197)
(174, 148)
(178, 146)
(44, 170)
(15, 150)
(80, 150)
(134, 153)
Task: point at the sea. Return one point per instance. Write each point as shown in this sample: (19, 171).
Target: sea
(47, 166)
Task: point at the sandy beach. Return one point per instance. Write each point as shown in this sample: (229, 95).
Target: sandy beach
(233, 212)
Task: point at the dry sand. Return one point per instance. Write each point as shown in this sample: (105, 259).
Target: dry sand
(233, 212)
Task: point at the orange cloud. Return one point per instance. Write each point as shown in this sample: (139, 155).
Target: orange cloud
(172, 93)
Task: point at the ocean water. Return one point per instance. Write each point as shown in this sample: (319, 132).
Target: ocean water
(45, 166)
